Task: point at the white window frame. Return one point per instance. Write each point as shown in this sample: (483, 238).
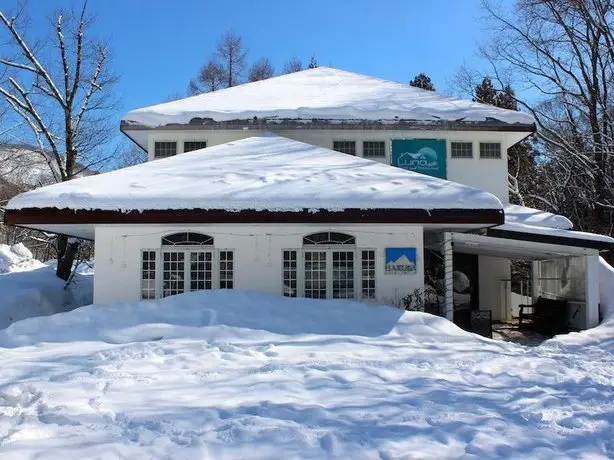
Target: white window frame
(375, 267)
(462, 142)
(183, 141)
(159, 141)
(362, 147)
(186, 249)
(346, 140)
(490, 142)
(329, 249)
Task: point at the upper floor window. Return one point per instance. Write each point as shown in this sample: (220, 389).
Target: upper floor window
(189, 146)
(490, 150)
(348, 147)
(165, 149)
(461, 149)
(373, 149)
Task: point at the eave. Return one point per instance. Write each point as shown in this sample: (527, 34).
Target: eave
(43, 216)
(386, 125)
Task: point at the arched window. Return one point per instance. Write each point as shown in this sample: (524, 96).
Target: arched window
(325, 238)
(187, 239)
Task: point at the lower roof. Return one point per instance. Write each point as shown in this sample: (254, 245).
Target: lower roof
(271, 174)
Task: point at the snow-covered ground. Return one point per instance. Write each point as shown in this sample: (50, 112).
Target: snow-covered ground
(230, 374)
(30, 288)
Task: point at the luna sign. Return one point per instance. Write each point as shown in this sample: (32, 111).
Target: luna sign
(425, 156)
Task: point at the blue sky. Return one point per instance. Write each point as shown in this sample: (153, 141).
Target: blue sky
(158, 45)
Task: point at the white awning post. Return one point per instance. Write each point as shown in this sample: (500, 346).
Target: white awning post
(592, 291)
(534, 280)
(448, 275)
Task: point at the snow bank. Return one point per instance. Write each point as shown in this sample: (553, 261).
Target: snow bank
(226, 375)
(259, 173)
(323, 93)
(211, 315)
(29, 288)
(16, 258)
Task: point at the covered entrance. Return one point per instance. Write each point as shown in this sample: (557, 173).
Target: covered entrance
(564, 266)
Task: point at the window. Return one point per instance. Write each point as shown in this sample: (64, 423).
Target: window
(348, 147)
(189, 146)
(329, 238)
(289, 274)
(368, 274)
(490, 150)
(226, 270)
(148, 275)
(165, 149)
(188, 262)
(373, 149)
(187, 239)
(461, 149)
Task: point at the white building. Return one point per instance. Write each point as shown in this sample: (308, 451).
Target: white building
(249, 211)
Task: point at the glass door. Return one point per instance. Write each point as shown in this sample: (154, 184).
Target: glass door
(201, 270)
(343, 274)
(315, 274)
(173, 273)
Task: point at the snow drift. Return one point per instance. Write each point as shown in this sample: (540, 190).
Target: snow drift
(29, 288)
(227, 374)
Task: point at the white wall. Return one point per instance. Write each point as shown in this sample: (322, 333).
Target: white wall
(491, 271)
(487, 174)
(258, 255)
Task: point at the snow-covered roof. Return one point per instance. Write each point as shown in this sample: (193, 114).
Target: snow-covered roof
(515, 214)
(323, 93)
(258, 173)
(554, 232)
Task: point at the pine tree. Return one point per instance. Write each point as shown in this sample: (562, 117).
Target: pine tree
(521, 163)
(313, 63)
(423, 81)
(485, 92)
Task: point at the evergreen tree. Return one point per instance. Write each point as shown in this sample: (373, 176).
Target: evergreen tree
(313, 63)
(423, 81)
(486, 93)
(521, 157)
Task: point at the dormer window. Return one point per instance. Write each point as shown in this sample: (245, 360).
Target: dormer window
(490, 150)
(164, 149)
(348, 147)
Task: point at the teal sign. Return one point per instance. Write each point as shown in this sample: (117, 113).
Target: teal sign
(425, 156)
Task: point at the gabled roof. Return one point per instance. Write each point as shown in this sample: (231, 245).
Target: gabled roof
(271, 174)
(323, 93)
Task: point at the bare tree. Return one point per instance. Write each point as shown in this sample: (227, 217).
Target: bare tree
(233, 57)
(60, 89)
(211, 77)
(562, 53)
(260, 70)
(294, 64)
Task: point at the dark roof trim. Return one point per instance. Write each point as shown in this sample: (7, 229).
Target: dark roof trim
(549, 239)
(41, 216)
(276, 125)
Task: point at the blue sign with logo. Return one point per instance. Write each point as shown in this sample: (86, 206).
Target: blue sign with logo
(401, 261)
(425, 156)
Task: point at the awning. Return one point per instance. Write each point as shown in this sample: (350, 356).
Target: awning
(523, 242)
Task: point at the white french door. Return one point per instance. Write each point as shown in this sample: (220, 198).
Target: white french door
(329, 274)
(184, 271)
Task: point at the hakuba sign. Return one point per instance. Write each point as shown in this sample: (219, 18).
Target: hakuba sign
(425, 156)
(400, 261)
